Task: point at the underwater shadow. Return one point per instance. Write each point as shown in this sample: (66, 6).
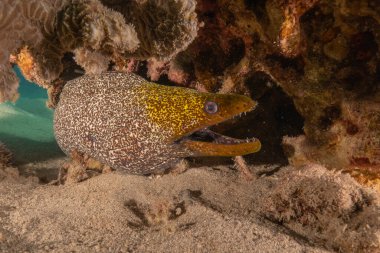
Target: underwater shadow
(26, 150)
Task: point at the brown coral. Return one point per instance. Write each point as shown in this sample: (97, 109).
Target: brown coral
(290, 37)
(33, 19)
(323, 54)
(172, 26)
(88, 29)
(45, 30)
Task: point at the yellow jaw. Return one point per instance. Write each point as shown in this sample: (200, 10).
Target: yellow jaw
(200, 148)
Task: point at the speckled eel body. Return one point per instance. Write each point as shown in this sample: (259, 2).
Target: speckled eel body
(128, 123)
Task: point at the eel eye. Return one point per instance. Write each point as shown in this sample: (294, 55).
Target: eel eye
(211, 107)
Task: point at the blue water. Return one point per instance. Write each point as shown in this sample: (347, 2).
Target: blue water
(26, 127)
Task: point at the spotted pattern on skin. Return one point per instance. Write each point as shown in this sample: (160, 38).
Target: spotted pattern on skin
(128, 123)
(178, 113)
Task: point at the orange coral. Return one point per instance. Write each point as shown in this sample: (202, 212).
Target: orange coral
(290, 37)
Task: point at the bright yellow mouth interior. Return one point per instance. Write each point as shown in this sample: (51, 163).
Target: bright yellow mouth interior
(201, 148)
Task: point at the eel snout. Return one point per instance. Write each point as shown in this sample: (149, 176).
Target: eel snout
(205, 142)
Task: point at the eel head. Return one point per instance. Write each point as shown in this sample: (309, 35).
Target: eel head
(187, 115)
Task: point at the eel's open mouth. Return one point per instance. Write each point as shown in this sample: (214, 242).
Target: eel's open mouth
(205, 142)
(200, 141)
(207, 135)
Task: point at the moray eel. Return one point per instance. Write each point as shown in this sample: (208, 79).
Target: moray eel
(128, 123)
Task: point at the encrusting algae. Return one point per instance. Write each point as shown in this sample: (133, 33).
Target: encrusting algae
(144, 127)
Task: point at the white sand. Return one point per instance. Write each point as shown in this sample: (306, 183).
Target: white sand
(202, 210)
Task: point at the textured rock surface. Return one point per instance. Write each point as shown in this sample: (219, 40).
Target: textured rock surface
(323, 54)
(45, 30)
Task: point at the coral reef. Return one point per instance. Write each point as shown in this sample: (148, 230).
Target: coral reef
(313, 65)
(34, 19)
(323, 54)
(326, 207)
(334, 84)
(46, 30)
(164, 28)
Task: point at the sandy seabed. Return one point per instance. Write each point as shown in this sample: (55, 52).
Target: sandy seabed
(207, 209)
